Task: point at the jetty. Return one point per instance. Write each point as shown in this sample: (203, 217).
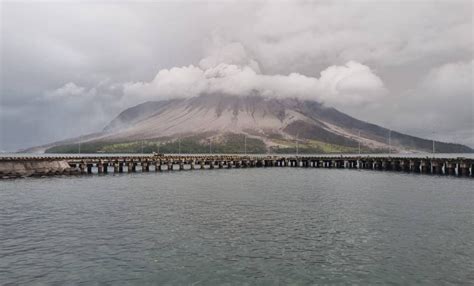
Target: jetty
(26, 166)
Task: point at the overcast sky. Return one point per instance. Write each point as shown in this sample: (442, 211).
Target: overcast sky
(69, 68)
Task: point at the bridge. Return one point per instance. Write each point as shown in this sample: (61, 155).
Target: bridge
(14, 167)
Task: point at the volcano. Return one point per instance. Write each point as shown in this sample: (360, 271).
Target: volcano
(227, 123)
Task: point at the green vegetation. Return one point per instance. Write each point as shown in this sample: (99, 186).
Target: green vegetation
(229, 143)
(312, 147)
(225, 144)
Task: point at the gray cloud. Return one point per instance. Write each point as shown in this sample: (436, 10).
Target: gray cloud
(68, 68)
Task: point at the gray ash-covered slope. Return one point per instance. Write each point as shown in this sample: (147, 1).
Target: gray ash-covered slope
(277, 122)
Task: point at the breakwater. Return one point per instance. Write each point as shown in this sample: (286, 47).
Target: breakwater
(13, 167)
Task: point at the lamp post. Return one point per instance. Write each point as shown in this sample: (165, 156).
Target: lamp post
(389, 141)
(245, 145)
(297, 146)
(359, 142)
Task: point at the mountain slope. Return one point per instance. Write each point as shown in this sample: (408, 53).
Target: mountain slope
(277, 123)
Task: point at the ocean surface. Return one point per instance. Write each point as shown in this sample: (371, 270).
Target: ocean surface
(265, 226)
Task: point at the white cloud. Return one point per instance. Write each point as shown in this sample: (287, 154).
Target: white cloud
(351, 84)
(70, 89)
(237, 74)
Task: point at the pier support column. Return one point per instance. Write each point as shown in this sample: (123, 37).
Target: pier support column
(463, 169)
(131, 167)
(436, 168)
(100, 168)
(450, 168)
(82, 168)
(414, 166)
(404, 166)
(425, 167)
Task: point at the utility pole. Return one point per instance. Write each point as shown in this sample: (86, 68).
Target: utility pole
(142, 146)
(245, 145)
(389, 141)
(359, 142)
(210, 150)
(80, 139)
(434, 150)
(297, 146)
(179, 146)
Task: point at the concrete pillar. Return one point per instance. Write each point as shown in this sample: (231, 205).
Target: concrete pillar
(403, 166)
(100, 168)
(89, 168)
(425, 167)
(131, 167)
(436, 167)
(396, 165)
(463, 169)
(82, 168)
(414, 166)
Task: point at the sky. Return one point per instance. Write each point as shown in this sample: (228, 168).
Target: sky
(68, 68)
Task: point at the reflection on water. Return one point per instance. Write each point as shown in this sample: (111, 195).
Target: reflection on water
(255, 226)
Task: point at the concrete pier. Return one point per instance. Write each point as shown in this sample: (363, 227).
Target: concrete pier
(12, 167)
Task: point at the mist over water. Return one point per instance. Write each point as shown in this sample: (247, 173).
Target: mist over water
(255, 226)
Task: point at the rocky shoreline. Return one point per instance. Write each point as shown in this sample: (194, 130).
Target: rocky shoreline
(21, 169)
